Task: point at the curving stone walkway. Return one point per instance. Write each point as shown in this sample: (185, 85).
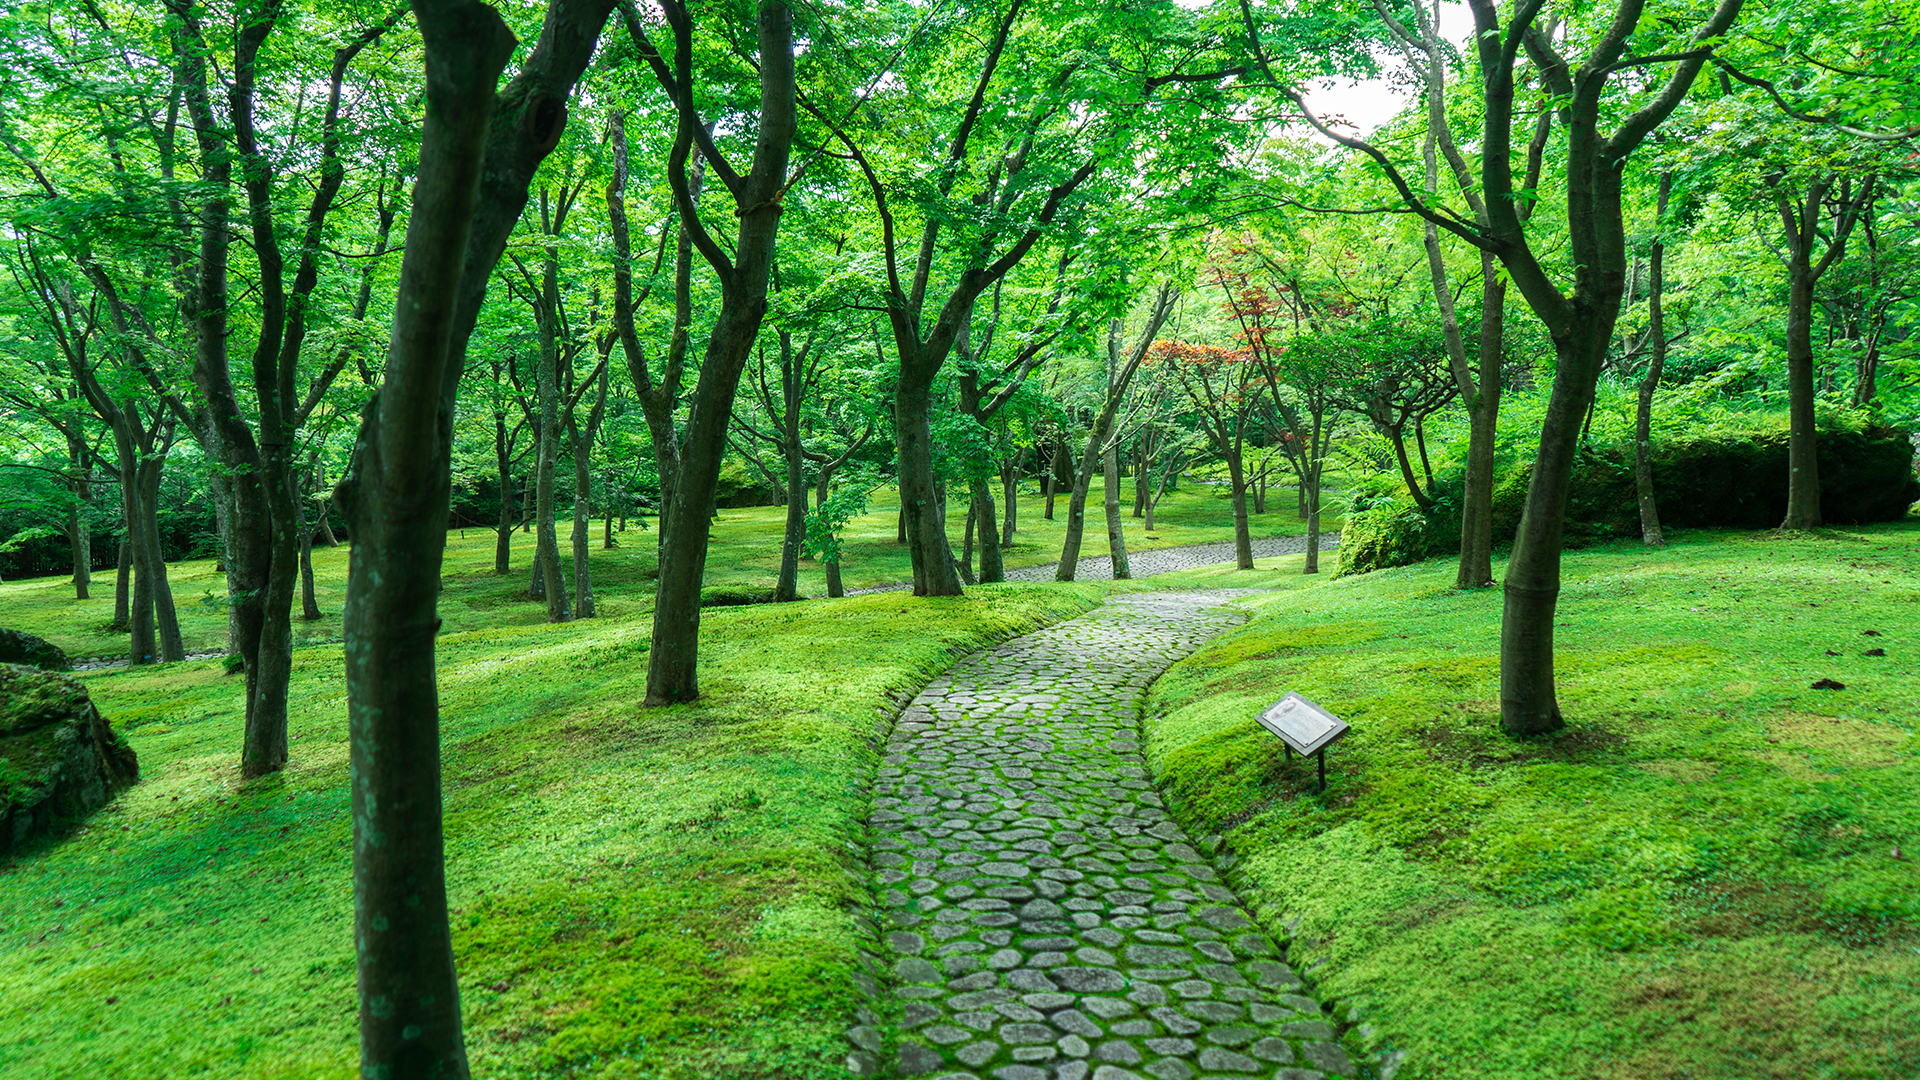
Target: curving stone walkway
(1147, 563)
(1048, 921)
(1166, 560)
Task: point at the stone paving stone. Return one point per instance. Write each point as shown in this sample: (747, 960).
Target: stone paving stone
(1046, 919)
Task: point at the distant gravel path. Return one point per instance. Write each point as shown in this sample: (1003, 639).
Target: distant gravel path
(1046, 919)
(1148, 563)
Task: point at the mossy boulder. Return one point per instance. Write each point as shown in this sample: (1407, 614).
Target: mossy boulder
(20, 647)
(59, 759)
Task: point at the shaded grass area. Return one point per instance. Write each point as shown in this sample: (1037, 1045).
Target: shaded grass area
(1696, 879)
(745, 555)
(666, 893)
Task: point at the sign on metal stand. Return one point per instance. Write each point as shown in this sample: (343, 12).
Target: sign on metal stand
(1304, 728)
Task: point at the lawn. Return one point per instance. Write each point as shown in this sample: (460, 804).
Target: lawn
(1697, 878)
(745, 553)
(667, 893)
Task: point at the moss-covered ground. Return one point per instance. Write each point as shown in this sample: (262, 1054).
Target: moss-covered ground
(1711, 873)
(638, 893)
(745, 554)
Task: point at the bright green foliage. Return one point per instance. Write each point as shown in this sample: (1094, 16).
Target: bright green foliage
(1697, 878)
(668, 893)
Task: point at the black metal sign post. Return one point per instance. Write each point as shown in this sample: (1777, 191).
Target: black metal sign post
(1305, 729)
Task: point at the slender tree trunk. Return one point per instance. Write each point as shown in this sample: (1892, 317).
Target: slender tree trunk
(537, 578)
(787, 586)
(1260, 493)
(122, 578)
(1142, 483)
(527, 499)
(142, 647)
(606, 524)
(1116, 533)
(1010, 496)
(80, 548)
(309, 604)
(503, 535)
(1077, 509)
(166, 618)
(1483, 412)
(1242, 538)
(583, 607)
(1650, 532)
(672, 672)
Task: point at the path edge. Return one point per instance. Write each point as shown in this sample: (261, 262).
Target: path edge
(1350, 1026)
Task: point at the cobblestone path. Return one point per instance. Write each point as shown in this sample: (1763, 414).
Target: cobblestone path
(1155, 561)
(1048, 921)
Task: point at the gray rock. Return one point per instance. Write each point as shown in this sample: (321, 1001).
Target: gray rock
(1106, 1008)
(1220, 1060)
(1171, 1069)
(1233, 1035)
(1327, 1056)
(1174, 1022)
(1272, 1049)
(944, 1034)
(1073, 1020)
(1089, 980)
(977, 1054)
(1119, 1053)
(912, 1059)
(1031, 981)
(1026, 1034)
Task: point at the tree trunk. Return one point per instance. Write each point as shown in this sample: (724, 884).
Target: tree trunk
(672, 662)
(80, 548)
(1242, 539)
(1142, 482)
(1803, 459)
(992, 567)
(309, 604)
(583, 607)
(1077, 509)
(1010, 496)
(154, 562)
(1528, 704)
(787, 586)
(834, 588)
(503, 535)
(1116, 534)
(926, 524)
(1650, 532)
(1260, 493)
(123, 574)
(397, 504)
(1310, 487)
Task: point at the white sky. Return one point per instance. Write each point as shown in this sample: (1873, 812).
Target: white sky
(1368, 104)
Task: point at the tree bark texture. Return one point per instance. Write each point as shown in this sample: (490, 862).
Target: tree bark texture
(396, 501)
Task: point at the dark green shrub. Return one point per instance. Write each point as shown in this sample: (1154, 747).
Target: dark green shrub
(734, 596)
(1381, 533)
(1721, 477)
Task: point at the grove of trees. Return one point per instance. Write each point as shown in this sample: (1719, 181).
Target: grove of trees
(278, 271)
